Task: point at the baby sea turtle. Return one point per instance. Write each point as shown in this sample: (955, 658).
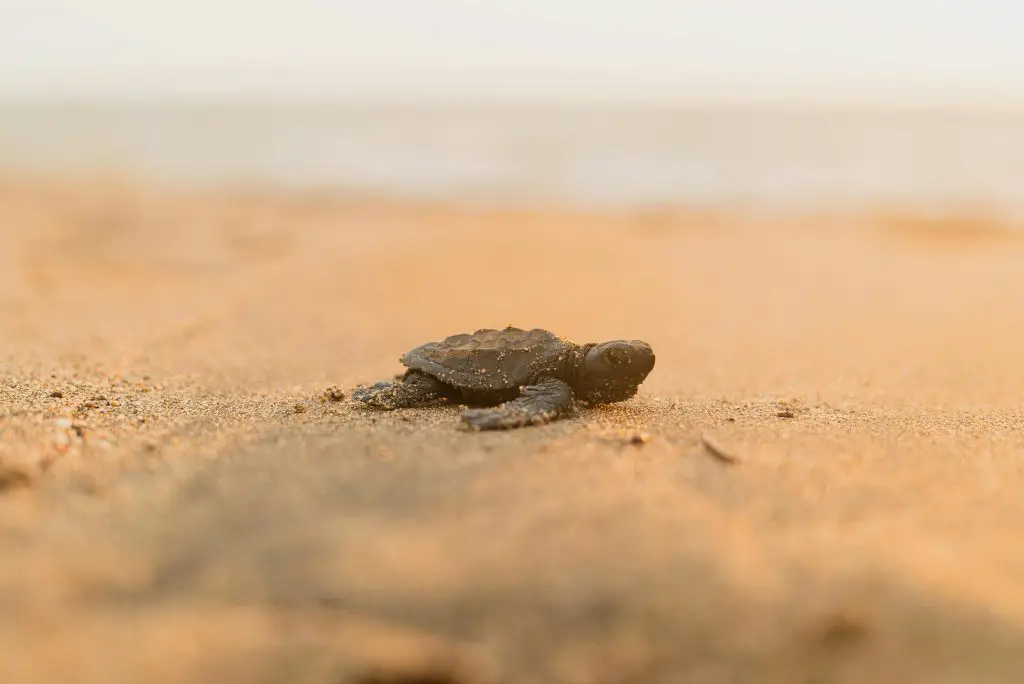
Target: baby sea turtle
(523, 377)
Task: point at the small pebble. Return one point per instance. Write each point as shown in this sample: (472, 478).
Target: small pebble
(640, 438)
(333, 394)
(57, 394)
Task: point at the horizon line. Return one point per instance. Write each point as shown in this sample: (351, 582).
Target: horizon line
(470, 100)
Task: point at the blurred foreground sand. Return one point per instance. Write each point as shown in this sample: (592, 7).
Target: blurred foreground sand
(178, 503)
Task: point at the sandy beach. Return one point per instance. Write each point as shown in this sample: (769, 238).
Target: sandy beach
(819, 482)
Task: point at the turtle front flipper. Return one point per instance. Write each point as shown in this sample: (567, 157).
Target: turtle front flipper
(542, 403)
(415, 389)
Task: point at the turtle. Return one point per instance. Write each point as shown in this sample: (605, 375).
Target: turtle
(511, 377)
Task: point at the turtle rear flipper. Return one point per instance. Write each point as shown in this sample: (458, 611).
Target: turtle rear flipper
(415, 389)
(548, 400)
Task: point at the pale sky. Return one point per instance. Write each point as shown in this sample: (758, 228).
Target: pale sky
(650, 48)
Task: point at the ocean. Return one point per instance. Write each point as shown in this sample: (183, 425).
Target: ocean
(594, 157)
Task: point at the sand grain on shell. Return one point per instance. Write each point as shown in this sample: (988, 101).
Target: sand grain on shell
(181, 470)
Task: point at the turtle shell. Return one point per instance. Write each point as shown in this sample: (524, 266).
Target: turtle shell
(490, 359)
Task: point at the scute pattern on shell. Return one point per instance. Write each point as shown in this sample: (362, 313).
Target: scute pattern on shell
(487, 359)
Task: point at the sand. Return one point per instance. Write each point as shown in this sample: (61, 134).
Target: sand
(820, 481)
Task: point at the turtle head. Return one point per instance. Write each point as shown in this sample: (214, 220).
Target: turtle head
(613, 371)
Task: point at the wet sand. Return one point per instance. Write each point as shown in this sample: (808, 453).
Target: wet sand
(181, 500)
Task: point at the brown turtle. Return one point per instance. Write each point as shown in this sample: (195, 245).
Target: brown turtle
(524, 377)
